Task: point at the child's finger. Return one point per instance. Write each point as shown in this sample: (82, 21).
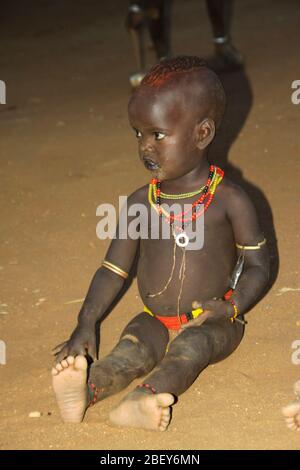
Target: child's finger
(59, 346)
(197, 322)
(92, 351)
(61, 355)
(77, 351)
(196, 304)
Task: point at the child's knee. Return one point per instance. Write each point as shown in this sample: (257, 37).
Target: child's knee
(132, 338)
(191, 343)
(134, 352)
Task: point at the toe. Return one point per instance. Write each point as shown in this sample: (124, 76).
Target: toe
(291, 410)
(70, 360)
(165, 412)
(289, 420)
(64, 364)
(80, 363)
(164, 422)
(54, 371)
(165, 399)
(162, 427)
(59, 367)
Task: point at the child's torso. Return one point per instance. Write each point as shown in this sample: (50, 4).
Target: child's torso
(207, 270)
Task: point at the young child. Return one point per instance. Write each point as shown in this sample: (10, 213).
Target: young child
(174, 114)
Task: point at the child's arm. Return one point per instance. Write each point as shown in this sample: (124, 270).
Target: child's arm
(255, 275)
(103, 290)
(247, 233)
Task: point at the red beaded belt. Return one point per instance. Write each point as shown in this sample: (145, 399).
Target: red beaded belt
(175, 322)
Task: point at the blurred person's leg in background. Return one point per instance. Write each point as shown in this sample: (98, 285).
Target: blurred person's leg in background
(156, 16)
(227, 56)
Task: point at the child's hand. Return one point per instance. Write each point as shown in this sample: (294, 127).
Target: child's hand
(218, 309)
(211, 309)
(81, 342)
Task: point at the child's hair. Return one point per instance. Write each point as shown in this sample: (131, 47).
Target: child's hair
(178, 69)
(165, 70)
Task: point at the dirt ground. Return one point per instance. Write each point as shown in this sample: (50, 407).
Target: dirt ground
(66, 148)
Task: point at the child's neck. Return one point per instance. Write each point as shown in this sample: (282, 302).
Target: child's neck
(188, 182)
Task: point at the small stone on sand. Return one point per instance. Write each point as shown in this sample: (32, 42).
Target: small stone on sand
(35, 414)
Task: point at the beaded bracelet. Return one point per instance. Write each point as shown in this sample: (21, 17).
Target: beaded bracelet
(147, 387)
(236, 310)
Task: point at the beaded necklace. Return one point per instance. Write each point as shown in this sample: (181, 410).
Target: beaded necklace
(175, 196)
(185, 218)
(197, 208)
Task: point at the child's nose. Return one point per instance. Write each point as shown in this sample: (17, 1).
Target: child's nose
(146, 144)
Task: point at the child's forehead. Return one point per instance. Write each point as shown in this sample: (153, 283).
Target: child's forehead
(160, 110)
(173, 100)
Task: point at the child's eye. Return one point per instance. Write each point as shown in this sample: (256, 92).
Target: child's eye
(159, 135)
(138, 134)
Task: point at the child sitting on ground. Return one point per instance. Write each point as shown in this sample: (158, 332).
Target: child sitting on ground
(174, 114)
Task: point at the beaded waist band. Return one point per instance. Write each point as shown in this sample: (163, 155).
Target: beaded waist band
(175, 322)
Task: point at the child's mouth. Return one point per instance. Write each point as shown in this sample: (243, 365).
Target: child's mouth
(150, 164)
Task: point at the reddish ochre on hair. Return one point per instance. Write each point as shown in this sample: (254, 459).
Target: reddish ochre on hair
(167, 69)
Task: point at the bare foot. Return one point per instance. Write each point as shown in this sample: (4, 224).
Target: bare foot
(291, 412)
(141, 410)
(69, 384)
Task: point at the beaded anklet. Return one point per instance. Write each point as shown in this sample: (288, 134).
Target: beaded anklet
(148, 387)
(96, 392)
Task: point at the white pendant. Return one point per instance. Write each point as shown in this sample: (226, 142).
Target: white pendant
(182, 240)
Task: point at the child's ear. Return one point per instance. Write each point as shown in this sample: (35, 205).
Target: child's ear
(205, 131)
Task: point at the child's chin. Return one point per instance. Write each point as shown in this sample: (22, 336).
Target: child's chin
(157, 173)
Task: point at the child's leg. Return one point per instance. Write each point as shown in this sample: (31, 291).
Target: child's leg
(188, 355)
(220, 13)
(159, 23)
(192, 351)
(141, 346)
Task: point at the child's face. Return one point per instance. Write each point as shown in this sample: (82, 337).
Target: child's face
(165, 127)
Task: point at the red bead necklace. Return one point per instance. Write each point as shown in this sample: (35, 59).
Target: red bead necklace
(205, 198)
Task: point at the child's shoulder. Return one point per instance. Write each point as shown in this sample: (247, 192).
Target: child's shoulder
(230, 189)
(139, 196)
(234, 197)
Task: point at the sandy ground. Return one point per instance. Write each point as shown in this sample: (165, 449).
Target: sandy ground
(66, 147)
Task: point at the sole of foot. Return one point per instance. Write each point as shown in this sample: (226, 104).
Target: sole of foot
(144, 411)
(69, 380)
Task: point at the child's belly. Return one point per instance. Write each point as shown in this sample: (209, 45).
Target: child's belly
(207, 273)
